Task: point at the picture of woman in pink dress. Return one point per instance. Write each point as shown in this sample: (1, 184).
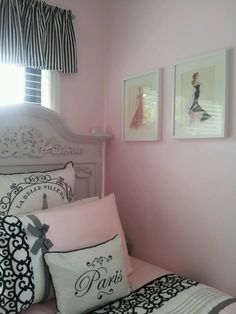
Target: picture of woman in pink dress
(138, 117)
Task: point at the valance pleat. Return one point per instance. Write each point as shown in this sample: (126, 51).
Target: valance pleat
(38, 35)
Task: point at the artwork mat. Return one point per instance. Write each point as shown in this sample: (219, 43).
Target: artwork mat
(224, 55)
(139, 135)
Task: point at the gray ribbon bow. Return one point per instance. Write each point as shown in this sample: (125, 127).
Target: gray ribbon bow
(42, 242)
(39, 231)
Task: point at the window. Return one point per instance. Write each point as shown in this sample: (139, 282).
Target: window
(26, 85)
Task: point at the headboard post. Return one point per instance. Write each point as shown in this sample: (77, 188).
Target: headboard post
(100, 167)
(34, 138)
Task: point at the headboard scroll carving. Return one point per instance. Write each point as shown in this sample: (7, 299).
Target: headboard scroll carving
(27, 140)
(80, 170)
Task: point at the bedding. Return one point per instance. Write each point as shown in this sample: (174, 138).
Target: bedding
(145, 272)
(64, 228)
(88, 278)
(27, 192)
(170, 294)
(16, 274)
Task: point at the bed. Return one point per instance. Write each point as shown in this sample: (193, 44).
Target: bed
(36, 139)
(143, 273)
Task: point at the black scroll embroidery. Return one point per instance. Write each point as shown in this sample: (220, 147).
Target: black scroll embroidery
(150, 297)
(16, 273)
(99, 260)
(102, 293)
(100, 280)
(34, 183)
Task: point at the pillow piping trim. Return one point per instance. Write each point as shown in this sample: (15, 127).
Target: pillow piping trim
(81, 249)
(44, 171)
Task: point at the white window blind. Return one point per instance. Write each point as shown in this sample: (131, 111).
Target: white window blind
(33, 86)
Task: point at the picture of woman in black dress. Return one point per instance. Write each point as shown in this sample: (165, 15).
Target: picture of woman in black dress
(195, 107)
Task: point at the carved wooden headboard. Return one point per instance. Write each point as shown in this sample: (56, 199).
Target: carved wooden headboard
(34, 138)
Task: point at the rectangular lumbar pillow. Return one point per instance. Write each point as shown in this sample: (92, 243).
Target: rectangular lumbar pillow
(27, 192)
(88, 278)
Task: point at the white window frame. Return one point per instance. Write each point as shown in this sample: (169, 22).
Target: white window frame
(53, 93)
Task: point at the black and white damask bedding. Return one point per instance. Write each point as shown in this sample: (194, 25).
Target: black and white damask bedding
(16, 273)
(171, 294)
(167, 294)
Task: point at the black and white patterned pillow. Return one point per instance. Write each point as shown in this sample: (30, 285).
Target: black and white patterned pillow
(88, 278)
(27, 192)
(16, 274)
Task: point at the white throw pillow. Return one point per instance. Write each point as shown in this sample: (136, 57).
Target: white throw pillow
(88, 278)
(27, 192)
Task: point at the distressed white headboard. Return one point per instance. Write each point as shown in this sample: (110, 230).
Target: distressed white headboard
(34, 138)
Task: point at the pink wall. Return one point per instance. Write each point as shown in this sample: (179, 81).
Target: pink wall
(82, 94)
(177, 198)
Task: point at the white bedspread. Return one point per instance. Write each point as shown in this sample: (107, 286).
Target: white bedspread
(143, 273)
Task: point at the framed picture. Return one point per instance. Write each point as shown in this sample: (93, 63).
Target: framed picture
(141, 108)
(200, 96)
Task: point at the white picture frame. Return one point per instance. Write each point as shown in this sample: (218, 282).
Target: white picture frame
(200, 96)
(141, 107)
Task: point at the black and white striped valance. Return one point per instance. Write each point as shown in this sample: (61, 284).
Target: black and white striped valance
(38, 35)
